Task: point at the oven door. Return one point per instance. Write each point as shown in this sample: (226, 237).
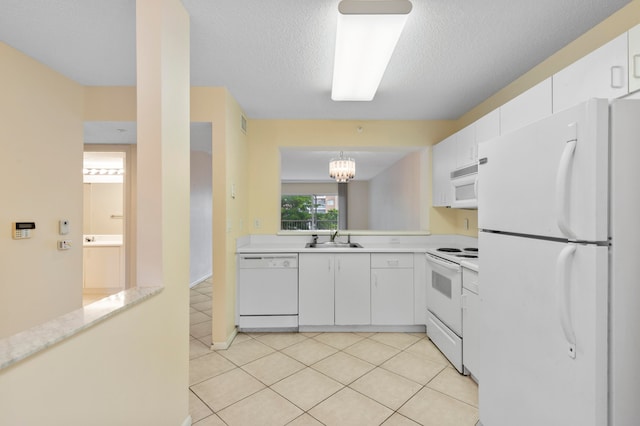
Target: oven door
(444, 292)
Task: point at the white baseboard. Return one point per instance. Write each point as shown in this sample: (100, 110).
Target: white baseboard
(199, 280)
(217, 346)
(187, 421)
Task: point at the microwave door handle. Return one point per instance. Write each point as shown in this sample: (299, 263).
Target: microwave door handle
(444, 264)
(562, 194)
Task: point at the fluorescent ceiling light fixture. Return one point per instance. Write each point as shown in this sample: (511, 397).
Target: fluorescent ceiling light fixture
(368, 31)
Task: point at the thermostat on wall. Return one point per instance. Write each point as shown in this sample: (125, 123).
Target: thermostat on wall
(22, 230)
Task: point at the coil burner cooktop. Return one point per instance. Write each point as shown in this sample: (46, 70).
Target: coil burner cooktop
(465, 253)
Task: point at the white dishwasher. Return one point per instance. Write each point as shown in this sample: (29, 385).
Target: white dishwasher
(268, 292)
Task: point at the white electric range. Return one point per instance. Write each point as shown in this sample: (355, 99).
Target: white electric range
(444, 298)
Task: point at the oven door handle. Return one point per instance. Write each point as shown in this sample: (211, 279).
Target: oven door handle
(445, 264)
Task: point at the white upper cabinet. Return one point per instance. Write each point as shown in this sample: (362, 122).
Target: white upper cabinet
(487, 127)
(466, 146)
(634, 58)
(460, 150)
(529, 107)
(444, 161)
(600, 74)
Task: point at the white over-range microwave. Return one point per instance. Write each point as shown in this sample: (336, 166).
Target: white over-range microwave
(464, 182)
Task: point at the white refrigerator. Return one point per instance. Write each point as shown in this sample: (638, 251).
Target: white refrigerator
(558, 212)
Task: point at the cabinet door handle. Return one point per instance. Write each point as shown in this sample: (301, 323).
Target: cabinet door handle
(636, 66)
(375, 279)
(617, 81)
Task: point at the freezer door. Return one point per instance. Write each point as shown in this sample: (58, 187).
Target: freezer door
(549, 178)
(543, 325)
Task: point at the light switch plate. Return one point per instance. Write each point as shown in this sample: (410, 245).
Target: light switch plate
(63, 227)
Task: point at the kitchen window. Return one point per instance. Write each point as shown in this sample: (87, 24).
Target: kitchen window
(309, 212)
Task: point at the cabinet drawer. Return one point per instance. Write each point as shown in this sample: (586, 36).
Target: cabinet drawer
(392, 260)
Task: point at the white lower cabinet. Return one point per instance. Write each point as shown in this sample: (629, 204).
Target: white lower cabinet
(352, 289)
(334, 289)
(357, 289)
(392, 290)
(103, 267)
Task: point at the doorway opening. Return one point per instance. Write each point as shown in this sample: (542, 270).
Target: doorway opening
(104, 252)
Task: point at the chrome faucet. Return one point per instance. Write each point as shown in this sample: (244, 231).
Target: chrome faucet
(334, 235)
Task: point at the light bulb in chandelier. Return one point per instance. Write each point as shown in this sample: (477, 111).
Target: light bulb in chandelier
(342, 169)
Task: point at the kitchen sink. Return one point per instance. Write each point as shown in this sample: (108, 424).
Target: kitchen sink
(333, 244)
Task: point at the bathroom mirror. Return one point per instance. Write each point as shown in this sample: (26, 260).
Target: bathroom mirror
(389, 191)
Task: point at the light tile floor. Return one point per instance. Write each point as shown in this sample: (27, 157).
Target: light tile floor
(301, 379)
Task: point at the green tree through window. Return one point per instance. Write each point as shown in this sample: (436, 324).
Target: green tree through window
(306, 212)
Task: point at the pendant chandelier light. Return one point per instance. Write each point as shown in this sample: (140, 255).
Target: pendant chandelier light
(342, 168)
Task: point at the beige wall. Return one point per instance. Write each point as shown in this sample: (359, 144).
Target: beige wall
(133, 367)
(229, 156)
(267, 136)
(237, 206)
(41, 134)
(114, 103)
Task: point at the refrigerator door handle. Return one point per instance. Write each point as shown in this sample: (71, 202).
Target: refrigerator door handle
(562, 199)
(563, 285)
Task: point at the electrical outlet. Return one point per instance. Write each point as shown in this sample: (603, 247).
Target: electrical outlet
(257, 224)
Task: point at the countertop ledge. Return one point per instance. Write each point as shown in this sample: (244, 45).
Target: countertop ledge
(471, 264)
(372, 249)
(370, 243)
(29, 342)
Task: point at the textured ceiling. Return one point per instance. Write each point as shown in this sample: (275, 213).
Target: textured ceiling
(276, 56)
